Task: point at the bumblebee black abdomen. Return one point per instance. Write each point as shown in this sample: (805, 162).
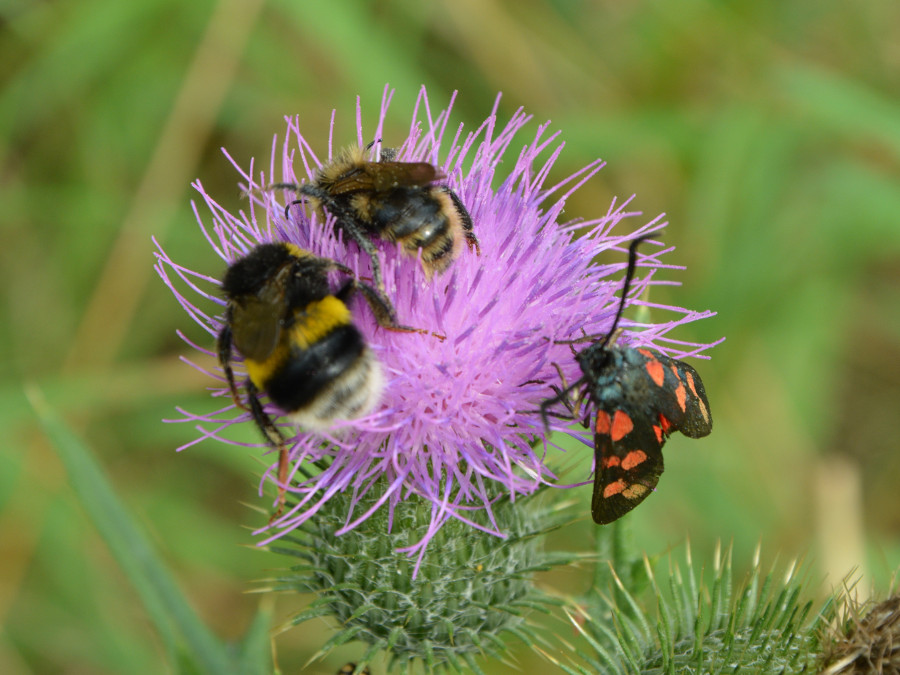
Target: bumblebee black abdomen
(326, 381)
(405, 212)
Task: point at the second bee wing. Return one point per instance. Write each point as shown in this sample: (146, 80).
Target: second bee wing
(387, 175)
(380, 176)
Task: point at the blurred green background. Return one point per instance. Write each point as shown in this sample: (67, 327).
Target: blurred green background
(769, 132)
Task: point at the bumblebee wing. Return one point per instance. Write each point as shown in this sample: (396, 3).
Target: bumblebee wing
(380, 176)
(628, 463)
(357, 179)
(256, 328)
(673, 392)
(387, 175)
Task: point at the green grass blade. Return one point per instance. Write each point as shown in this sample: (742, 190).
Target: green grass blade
(166, 605)
(255, 648)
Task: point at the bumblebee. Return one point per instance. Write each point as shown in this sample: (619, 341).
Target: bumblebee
(298, 341)
(394, 201)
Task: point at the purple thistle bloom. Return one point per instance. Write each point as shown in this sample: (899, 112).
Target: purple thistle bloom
(458, 422)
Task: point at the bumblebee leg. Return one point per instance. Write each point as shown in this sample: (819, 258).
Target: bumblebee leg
(223, 347)
(382, 308)
(348, 223)
(466, 219)
(343, 269)
(286, 186)
(287, 208)
(275, 439)
(380, 305)
(378, 302)
(283, 186)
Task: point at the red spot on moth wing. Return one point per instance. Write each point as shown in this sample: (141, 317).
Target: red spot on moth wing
(609, 461)
(621, 425)
(690, 381)
(614, 488)
(681, 397)
(633, 459)
(700, 404)
(680, 391)
(665, 424)
(603, 423)
(659, 434)
(646, 352)
(656, 372)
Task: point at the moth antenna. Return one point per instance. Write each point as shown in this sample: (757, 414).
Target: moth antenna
(626, 285)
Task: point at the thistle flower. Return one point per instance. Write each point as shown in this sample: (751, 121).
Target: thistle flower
(456, 448)
(458, 423)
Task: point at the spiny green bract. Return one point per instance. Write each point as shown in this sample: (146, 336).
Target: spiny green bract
(703, 626)
(470, 593)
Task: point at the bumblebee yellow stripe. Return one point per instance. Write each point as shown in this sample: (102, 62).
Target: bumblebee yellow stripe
(259, 372)
(317, 320)
(296, 251)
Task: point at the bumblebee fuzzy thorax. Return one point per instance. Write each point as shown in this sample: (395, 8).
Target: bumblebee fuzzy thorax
(348, 162)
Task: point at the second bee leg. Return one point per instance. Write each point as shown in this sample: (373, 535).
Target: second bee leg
(466, 219)
(347, 221)
(366, 245)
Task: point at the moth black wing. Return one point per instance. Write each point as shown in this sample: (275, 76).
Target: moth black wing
(672, 392)
(654, 396)
(628, 463)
